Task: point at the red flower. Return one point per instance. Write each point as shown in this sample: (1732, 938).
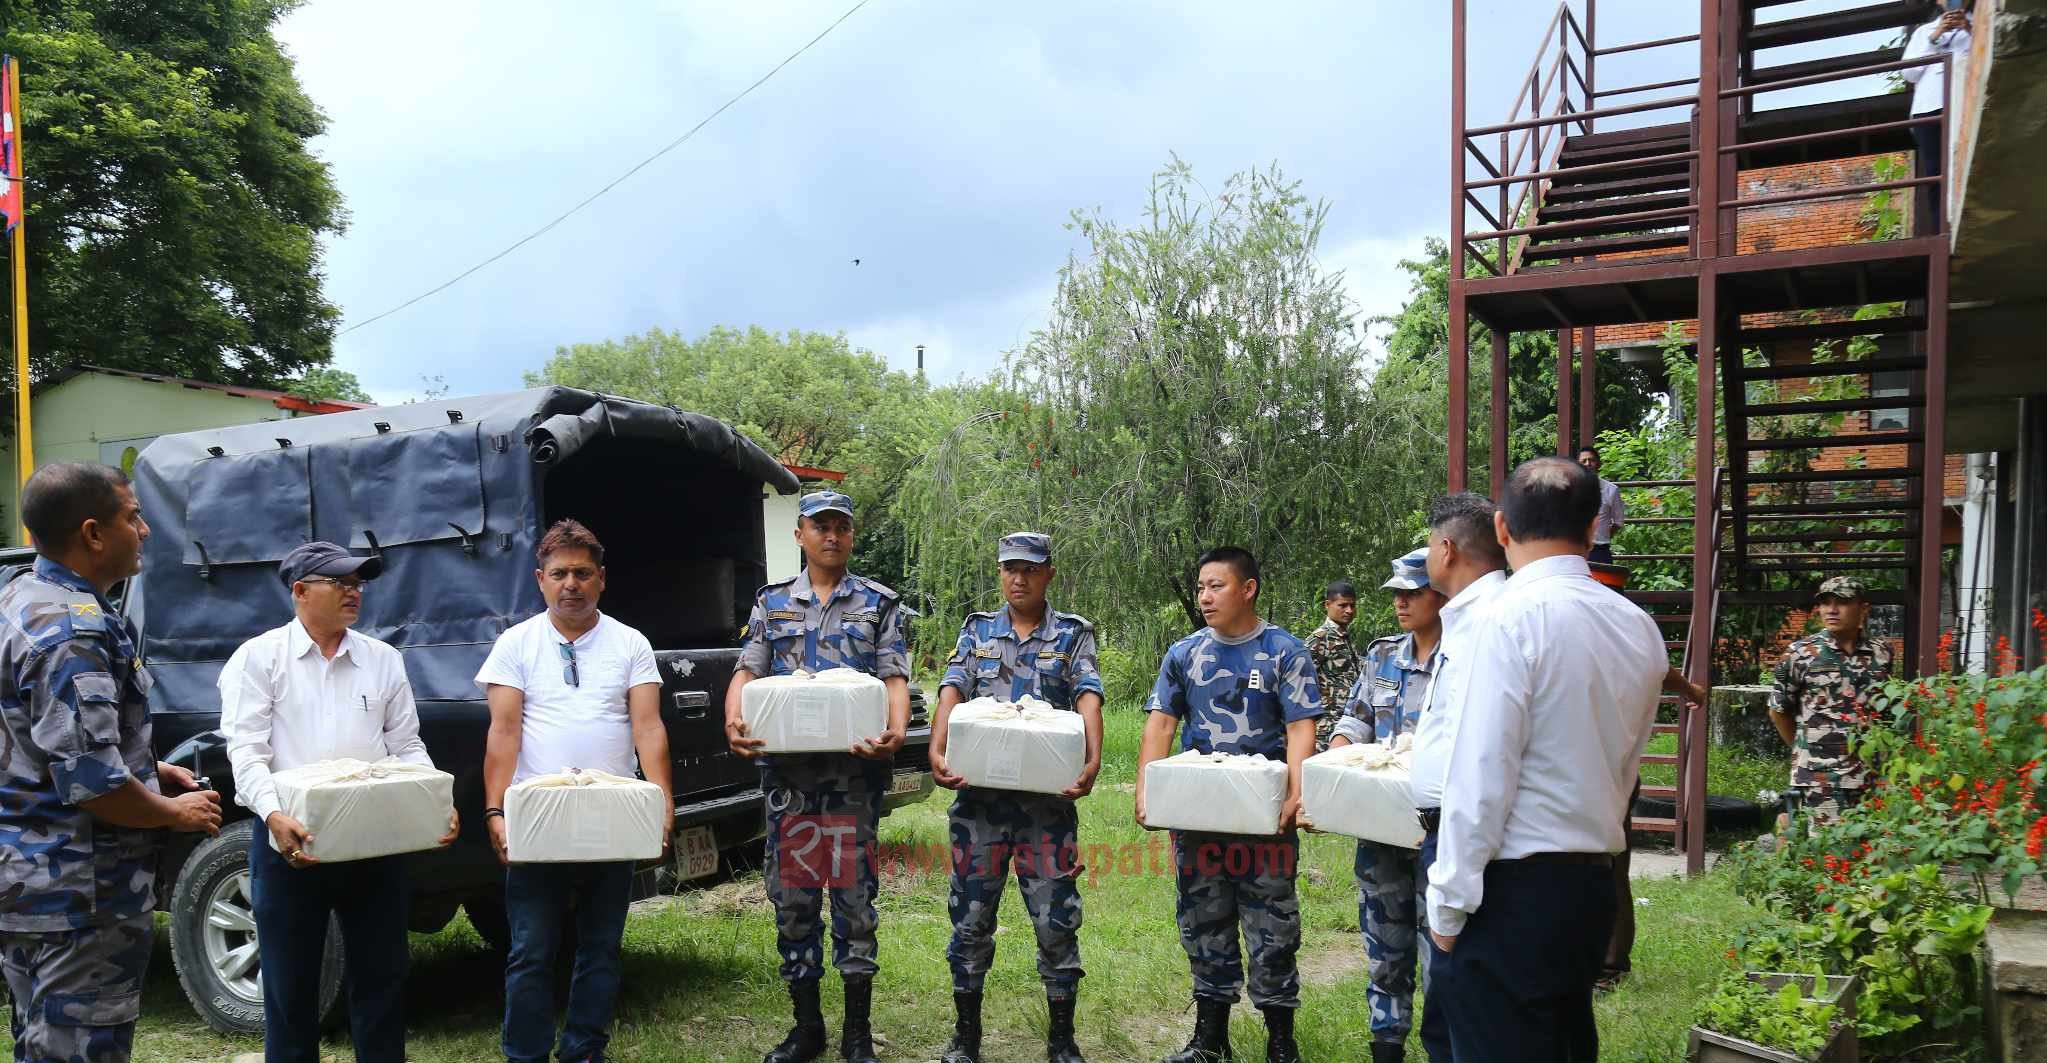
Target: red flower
(1982, 723)
(2036, 836)
(1944, 659)
(1917, 795)
(1830, 909)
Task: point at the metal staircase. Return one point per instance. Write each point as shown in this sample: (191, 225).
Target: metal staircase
(1592, 206)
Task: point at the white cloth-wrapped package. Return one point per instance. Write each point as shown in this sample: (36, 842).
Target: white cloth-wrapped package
(577, 816)
(1217, 793)
(1021, 745)
(356, 810)
(1364, 791)
(829, 712)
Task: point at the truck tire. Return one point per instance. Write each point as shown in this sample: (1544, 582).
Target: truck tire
(213, 937)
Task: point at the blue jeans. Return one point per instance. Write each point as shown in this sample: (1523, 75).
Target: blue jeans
(539, 900)
(292, 905)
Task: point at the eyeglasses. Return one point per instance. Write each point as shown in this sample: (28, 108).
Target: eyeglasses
(569, 673)
(349, 584)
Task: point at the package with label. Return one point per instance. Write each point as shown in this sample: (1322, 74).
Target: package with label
(828, 712)
(1219, 793)
(357, 810)
(581, 816)
(1364, 791)
(1020, 745)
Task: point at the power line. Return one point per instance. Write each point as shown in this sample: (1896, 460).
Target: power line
(614, 182)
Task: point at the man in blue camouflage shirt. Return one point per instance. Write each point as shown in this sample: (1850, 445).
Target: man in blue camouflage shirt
(1026, 649)
(824, 617)
(82, 808)
(1239, 685)
(1385, 703)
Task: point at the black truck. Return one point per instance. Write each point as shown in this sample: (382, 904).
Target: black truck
(453, 495)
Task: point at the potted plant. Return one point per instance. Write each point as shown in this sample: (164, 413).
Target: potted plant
(1778, 1018)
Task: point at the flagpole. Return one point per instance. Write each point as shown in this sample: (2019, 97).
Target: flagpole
(25, 436)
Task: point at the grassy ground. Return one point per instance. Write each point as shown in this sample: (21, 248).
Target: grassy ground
(700, 968)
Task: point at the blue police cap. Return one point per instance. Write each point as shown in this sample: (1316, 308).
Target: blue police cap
(1025, 546)
(1410, 572)
(817, 502)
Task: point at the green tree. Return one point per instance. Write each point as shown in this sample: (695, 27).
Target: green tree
(806, 397)
(1201, 381)
(174, 211)
(336, 384)
(1626, 396)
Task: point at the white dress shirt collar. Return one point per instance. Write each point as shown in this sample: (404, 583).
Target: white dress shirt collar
(299, 642)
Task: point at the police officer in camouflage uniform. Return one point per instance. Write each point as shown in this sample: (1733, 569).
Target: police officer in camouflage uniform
(1823, 681)
(1336, 659)
(82, 798)
(1023, 649)
(1385, 703)
(824, 808)
(1240, 686)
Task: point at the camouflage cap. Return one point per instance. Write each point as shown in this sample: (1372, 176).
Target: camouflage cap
(1846, 588)
(817, 502)
(1410, 572)
(1025, 546)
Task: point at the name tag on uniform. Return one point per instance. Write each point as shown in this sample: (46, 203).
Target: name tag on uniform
(1382, 681)
(785, 614)
(863, 618)
(1051, 655)
(992, 653)
(1257, 681)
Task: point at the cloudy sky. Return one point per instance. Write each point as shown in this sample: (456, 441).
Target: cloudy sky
(943, 143)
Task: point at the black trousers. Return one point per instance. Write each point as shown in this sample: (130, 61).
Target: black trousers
(1929, 159)
(1518, 986)
(292, 907)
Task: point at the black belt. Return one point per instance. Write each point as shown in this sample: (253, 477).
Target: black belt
(1599, 860)
(1431, 818)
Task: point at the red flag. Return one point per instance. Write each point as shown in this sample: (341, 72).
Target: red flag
(10, 148)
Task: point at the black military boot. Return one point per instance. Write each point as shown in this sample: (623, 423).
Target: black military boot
(1211, 1040)
(1060, 1046)
(1279, 1036)
(965, 1046)
(856, 1034)
(1389, 1052)
(806, 1040)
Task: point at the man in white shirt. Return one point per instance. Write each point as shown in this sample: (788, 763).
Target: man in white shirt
(1612, 511)
(1466, 564)
(569, 688)
(312, 691)
(1558, 690)
(1946, 35)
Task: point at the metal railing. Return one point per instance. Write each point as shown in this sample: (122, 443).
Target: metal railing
(1521, 159)
(1545, 110)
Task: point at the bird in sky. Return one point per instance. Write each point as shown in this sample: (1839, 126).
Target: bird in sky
(856, 261)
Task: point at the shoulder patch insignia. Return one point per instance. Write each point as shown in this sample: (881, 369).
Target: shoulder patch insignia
(85, 610)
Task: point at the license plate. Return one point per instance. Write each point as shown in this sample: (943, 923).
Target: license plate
(907, 782)
(696, 853)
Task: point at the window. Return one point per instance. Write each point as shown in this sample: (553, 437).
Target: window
(1885, 384)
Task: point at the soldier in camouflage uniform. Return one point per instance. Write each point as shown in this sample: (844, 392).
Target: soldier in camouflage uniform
(1821, 685)
(81, 794)
(1025, 649)
(1386, 702)
(1239, 686)
(824, 617)
(1336, 659)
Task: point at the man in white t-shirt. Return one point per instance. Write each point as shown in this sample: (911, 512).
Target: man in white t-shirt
(570, 688)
